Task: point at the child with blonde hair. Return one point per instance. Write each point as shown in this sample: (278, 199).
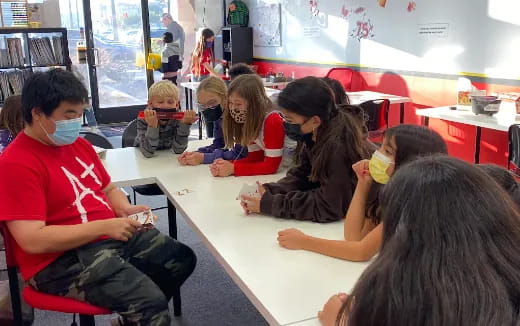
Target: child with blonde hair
(212, 101)
(156, 134)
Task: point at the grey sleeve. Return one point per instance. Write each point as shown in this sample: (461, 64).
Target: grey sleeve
(147, 138)
(180, 138)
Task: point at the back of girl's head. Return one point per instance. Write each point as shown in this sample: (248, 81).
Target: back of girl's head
(216, 86)
(413, 141)
(340, 95)
(310, 96)
(251, 89)
(504, 178)
(239, 69)
(449, 254)
(11, 115)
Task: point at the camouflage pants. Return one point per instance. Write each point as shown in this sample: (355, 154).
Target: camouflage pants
(135, 279)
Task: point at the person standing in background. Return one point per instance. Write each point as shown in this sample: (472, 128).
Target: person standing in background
(177, 32)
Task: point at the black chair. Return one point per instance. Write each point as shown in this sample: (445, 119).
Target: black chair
(128, 139)
(96, 139)
(376, 115)
(513, 160)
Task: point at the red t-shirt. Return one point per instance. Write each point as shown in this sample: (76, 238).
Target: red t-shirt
(264, 154)
(207, 57)
(60, 185)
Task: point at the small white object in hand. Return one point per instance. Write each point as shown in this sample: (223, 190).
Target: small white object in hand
(248, 190)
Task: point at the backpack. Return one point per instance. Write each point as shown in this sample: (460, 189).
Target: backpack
(238, 14)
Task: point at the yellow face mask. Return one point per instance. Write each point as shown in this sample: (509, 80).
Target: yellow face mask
(378, 165)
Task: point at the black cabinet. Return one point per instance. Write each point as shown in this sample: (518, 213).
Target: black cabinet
(237, 45)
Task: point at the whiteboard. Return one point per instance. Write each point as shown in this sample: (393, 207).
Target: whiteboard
(266, 25)
(443, 36)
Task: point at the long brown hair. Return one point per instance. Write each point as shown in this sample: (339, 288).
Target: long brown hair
(251, 89)
(11, 117)
(199, 50)
(449, 254)
(311, 96)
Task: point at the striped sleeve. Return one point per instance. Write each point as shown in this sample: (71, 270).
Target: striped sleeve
(267, 160)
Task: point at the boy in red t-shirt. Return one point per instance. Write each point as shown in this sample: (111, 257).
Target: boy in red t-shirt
(69, 221)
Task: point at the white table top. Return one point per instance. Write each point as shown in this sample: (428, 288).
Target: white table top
(362, 96)
(286, 286)
(194, 85)
(500, 121)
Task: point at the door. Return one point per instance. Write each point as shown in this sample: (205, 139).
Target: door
(116, 45)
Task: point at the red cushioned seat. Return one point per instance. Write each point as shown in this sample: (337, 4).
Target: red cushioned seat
(44, 301)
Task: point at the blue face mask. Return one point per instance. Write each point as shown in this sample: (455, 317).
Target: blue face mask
(67, 131)
(209, 44)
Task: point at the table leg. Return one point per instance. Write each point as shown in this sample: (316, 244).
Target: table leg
(401, 113)
(172, 219)
(477, 145)
(186, 95)
(426, 121)
(200, 126)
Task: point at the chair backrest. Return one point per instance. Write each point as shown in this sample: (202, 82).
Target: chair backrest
(376, 112)
(10, 259)
(343, 75)
(513, 160)
(96, 139)
(129, 134)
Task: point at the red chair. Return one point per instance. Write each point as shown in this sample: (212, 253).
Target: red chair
(376, 115)
(343, 75)
(40, 300)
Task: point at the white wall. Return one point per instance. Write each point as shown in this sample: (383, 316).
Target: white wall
(482, 36)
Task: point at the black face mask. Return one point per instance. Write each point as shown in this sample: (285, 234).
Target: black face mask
(165, 110)
(294, 132)
(212, 114)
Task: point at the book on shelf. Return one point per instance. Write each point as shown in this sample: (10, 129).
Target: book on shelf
(11, 82)
(42, 51)
(12, 55)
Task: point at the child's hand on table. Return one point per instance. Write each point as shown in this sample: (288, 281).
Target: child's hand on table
(329, 314)
(291, 239)
(222, 168)
(191, 158)
(251, 204)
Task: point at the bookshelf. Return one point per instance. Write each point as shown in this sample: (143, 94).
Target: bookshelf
(25, 50)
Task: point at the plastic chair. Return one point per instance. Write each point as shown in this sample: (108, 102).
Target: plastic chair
(40, 300)
(96, 139)
(513, 159)
(343, 75)
(376, 112)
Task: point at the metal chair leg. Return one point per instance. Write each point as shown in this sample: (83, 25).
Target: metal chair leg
(16, 302)
(87, 320)
(177, 309)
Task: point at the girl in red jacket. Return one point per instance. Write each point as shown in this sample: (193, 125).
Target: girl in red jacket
(249, 121)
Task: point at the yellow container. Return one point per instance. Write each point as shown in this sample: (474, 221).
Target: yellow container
(154, 61)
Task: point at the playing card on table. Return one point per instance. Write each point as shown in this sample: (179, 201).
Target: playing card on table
(145, 218)
(248, 190)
